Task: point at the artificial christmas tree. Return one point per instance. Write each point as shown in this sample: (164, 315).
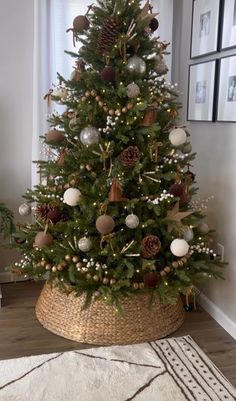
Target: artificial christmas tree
(114, 229)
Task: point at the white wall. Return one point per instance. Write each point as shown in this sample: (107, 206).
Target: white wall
(16, 69)
(215, 166)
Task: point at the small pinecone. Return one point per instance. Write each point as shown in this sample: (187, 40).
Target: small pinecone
(108, 35)
(130, 156)
(150, 246)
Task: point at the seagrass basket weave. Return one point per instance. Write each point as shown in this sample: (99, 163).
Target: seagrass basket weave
(101, 324)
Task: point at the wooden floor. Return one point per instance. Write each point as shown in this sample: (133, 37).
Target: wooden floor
(22, 335)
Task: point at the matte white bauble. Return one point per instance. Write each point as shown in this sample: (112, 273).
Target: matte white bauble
(85, 244)
(188, 234)
(203, 228)
(72, 196)
(133, 90)
(60, 92)
(90, 136)
(136, 65)
(179, 247)
(24, 209)
(177, 136)
(132, 221)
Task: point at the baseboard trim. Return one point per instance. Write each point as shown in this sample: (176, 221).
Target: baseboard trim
(218, 315)
(7, 277)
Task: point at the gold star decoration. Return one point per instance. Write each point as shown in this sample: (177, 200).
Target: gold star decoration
(174, 217)
(146, 13)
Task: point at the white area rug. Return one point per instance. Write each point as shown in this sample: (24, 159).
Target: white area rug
(167, 370)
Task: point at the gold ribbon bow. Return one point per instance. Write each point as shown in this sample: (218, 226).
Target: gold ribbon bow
(154, 150)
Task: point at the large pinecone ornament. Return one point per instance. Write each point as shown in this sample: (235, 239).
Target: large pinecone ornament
(49, 213)
(130, 156)
(108, 35)
(150, 246)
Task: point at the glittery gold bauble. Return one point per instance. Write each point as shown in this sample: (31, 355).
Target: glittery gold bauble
(105, 224)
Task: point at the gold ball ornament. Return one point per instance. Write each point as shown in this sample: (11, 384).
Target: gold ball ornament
(80, 23)
(112, 281)
(175, 265)
(43, 239)
(54, 136)
(48, 267)
(106, 281)
(96, 278)
(68, 258)
(135, 286)
(111, 112)
(54, 269)
(167, 269)
(101, 103)
(105, 224)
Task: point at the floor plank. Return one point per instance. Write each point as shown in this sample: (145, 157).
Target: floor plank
(22, 335)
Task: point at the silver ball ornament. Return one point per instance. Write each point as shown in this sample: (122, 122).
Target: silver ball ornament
(133, 90)
(90, 136)
(24, 209)
(132, 221)
(72, 196)
(177, 137)
(203, 228)
(188, 234)
(179, 247)
(187, 148)
(85, 245)
(136, 65)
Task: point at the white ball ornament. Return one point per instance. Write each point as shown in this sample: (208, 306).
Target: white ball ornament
(133, 90)
(136, 65)
(24, 209)
(60, 92)
(177, 137)
(179, 247)
(85, 244)
(90, 136)
(72, 196)
(188, 234)
(132, 221)
(203, 228)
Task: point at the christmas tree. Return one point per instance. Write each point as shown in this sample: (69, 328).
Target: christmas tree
(113, 214)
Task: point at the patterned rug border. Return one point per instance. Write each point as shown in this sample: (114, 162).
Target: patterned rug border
(177, 367)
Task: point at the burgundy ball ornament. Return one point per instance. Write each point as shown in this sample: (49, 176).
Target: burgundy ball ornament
(108, 75)
(151, 280)
(176, 189)
(80, 23)
(43, 239)
(154, 24)
(105, 224)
